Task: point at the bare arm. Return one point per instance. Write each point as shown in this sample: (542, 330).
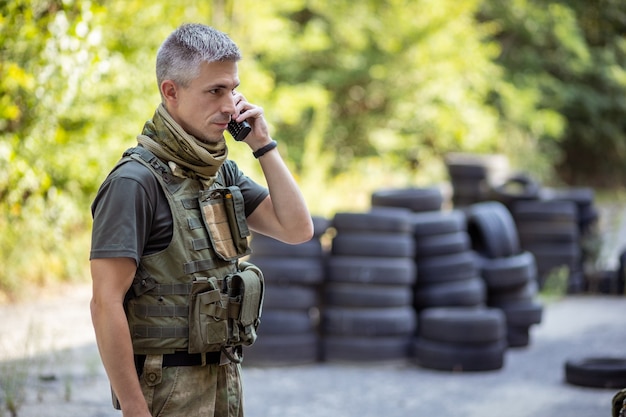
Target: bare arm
(283, 215)
(111, 279)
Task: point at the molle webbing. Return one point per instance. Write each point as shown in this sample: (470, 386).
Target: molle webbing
(161, 332)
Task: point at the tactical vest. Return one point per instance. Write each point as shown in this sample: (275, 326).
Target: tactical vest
(193, 296)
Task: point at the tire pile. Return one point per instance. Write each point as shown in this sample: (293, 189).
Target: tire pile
(456, 332)
(555, 225)
(461, 339)
(509, 272)
(288, 333)
(549, 229)
(450, 289)
(447, 273)
(367, 312)
(473, 176)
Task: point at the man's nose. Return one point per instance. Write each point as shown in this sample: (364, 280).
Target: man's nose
(229, 105)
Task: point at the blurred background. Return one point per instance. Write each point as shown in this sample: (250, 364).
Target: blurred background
(360, 95)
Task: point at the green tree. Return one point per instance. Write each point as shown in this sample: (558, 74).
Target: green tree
(46, 47)
(568, 58)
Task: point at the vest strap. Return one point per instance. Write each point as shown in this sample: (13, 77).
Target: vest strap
(161, 311)
(155, 332)
(195, 223)
(199, 244)
(197, 266)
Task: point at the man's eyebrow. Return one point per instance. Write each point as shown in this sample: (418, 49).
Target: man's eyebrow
(221, 86)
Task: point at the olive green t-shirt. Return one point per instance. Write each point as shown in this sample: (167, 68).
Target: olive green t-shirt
(131, 214)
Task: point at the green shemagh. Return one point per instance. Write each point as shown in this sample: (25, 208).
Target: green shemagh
(186, 155)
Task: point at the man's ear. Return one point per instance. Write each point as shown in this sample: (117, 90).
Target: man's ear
(169, 91)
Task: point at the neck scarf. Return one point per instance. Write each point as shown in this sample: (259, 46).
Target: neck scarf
(187, 156)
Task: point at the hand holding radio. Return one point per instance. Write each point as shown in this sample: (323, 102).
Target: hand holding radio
(253, 128)
(239, 131)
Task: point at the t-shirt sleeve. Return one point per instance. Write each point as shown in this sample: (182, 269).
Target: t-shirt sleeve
(122, 216)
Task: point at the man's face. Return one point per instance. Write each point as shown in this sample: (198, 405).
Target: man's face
(204, 107)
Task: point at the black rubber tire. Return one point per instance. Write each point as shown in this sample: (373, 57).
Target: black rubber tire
(469, 188)
(515, 188)
(365, 349)
(522, 313)
(282, 350)
(464, 293)
(368, 322)
(493, 168)
(361, 269)
(524, 294)
(262, 245)
(458, 357)
(388, 219)
(502, 274)
(580, 195)
(414, 199)
(621, 273)
(320, 225)
(442, 244)
(492, 230)
(547, 232)
(384, 245)
(596, 372)
(552, 255)
(517, 336)
(438, 222)
(462, 324)
(545, 210)
(290, 297)
(455, 267)
(285, 322)
(466, 171)
(284, 271)
(359, 295)
(583, 197)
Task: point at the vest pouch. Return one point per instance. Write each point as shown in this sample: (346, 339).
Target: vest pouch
(224, 218)
(208, 322)
(246, 289)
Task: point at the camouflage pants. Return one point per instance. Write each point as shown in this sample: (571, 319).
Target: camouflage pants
(192, 391)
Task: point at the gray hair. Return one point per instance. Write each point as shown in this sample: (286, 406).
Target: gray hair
(181, 54)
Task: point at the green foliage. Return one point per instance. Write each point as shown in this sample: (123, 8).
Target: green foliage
(46, 48)
(569, 56)
(360, 95)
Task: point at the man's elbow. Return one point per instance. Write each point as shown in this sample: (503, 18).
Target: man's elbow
(301, 234)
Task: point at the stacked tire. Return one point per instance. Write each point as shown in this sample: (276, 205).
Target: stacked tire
(550, 230)
(288, 333)
(621, 273)
(584, 198)
(367, 312)
(447, 272)
(509, 273)
(473, 176)
(461, 339)
(587, 220)
(415, 199)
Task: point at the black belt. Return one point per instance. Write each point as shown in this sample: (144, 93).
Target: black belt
(190, 359)
(181, 359)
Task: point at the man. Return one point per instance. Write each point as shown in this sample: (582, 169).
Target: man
(158, 231)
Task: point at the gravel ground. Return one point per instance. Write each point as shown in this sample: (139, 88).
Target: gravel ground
(67, 379)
